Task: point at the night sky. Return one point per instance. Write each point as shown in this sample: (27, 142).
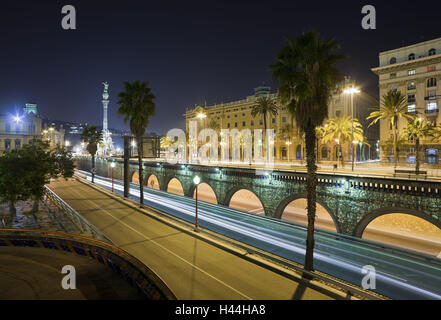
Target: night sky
(190, 52)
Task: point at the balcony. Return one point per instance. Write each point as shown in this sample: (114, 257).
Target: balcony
(427, 111)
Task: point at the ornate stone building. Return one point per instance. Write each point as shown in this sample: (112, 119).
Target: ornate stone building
(415, 71)
(19, 129)
(288, 146)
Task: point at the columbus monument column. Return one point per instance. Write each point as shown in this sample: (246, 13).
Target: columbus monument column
(107, 139)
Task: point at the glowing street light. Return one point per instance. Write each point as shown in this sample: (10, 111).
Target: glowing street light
(67, 143)
(352, 91)
(17, 119)
(196, 181)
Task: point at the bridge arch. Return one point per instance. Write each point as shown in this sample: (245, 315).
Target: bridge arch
(246, 193)
(134, 177)
(152, 181)
(367, 219)
(285, 203)
(174, 185)
(205, 192)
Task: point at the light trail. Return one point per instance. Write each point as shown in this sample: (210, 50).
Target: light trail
(399, 274)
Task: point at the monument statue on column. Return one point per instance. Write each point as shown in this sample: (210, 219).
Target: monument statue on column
(107, 145)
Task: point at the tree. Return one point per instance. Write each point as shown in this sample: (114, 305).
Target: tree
(44, 164)
(137, 106)
(393, 107)
(12, 181)
(416, 130)
(340, 129)
(24, 173)
(264, 106)
(92, 137)
(307, 75)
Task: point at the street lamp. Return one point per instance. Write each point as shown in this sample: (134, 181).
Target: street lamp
(196, 181)
(338, 150)
(112, 165)
(351, 91)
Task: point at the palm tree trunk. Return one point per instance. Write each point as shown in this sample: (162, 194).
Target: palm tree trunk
(264, 137)
(93, 168)
(395, 147)
(311, 183)
(417, 158)
(12, 213)
(141, 186)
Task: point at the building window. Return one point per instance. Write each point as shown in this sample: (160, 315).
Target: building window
(411, 85)
(411, 108)
(7, 144)
(431, 82)
(411, 72)
(17, 144)
(283, 119)
(252, 122)
(432, 52)
(228, 125)
(228, 117)
(411, 56)
(393, 88)
(243, 114)
(432, 156)
(235, 115)
(273, 120)
(393, 60)
(260, 122)
(244, 123)
(393, 75)
(431, 107)
(235, 124)
(411, 97)
(337, 113)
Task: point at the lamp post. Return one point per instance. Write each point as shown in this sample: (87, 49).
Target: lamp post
(351, 91)
(112, 165)
(196, 181)
(338, 150)
(354, 156)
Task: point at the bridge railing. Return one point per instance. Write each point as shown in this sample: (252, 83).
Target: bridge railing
(84, 225)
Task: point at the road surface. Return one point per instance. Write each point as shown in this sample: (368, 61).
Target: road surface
(191, 268)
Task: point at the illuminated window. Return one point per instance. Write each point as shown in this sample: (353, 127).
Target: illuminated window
(430, 106)
(411, 108)
(411, 72)
(411, 85)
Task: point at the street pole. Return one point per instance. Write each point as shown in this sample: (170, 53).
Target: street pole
(112, 181)
(352, 128)
(196, 216)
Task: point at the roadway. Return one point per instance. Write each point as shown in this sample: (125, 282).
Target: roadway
(400, 274)
(192, 268)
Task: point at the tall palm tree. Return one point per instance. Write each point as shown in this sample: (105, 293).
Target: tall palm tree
(416, 130)
(393, 107)
(307, 75)
(340, 128)
(264, 106)
(137, 106)
(92, 137)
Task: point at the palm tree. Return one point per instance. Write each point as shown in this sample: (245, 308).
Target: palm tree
(137, 106)
(393, 107)
(340, 129)
(416, 130)
(264, 106)
(92, 137)
(307, 75)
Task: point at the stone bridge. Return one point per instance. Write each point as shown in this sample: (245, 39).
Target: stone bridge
(352, 201)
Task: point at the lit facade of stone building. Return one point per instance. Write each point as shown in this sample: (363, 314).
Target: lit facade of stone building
(415, 71)
(287, 146)
(17, 130)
